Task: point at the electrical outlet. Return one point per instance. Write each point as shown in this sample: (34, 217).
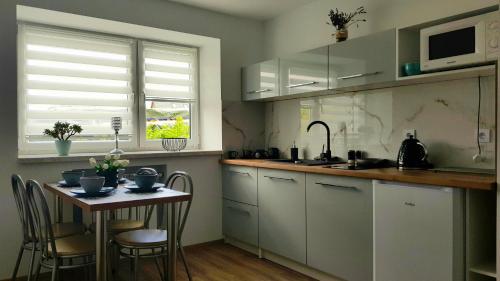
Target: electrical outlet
(484, 136)
(409, 132)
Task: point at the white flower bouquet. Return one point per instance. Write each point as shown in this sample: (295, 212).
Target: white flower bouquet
(110, 163)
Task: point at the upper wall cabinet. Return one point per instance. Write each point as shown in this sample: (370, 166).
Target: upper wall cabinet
(364, 60)
(304, 72)
(260, 80)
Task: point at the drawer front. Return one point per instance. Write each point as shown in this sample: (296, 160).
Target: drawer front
(339, 226)
(282, 213)
(364, 60)
(240, 184)
(260, 80)
(304, 72)
(240, 221)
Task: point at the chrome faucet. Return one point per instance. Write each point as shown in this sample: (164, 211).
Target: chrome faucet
(328, 154)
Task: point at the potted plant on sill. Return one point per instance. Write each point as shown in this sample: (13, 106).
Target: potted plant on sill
(342, 20)
(108, 168)
(62, 131)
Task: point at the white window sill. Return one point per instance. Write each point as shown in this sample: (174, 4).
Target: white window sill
(77, 157)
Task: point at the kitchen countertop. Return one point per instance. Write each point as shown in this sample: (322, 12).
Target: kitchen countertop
(449, 179)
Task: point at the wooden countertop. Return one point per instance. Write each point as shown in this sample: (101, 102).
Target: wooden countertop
(449, 179)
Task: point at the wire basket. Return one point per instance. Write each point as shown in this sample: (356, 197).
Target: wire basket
(174, 144)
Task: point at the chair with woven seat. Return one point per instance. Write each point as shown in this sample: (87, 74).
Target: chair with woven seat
(155, 240)
(69, 252)
(60, 229)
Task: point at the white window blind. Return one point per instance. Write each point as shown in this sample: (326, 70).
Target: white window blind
(75, 77)
(170, 71)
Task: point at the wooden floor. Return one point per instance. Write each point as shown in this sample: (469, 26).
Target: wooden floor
(215, 261)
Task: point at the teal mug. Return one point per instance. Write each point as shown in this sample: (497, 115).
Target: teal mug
(411, 68)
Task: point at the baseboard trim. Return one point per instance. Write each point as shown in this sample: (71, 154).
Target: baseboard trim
(293, 265)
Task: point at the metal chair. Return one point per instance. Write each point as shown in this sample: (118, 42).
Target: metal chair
(60, 229)
(155, 240)
(65, 253)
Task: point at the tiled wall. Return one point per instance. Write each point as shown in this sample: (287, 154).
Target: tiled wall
(444, 115)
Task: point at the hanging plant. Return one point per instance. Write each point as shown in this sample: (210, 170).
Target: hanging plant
(342, 20)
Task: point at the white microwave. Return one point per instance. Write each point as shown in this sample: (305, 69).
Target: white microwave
(460, 43)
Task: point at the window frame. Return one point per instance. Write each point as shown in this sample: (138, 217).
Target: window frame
(138, 141)
(194, 141)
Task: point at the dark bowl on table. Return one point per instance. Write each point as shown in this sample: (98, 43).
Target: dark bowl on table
(72, 178)
(145, 181)
(92, 185)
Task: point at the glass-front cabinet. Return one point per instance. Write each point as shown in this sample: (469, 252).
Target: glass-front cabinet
(260, 80)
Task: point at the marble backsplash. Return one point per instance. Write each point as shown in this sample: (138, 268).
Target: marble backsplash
(443, 114)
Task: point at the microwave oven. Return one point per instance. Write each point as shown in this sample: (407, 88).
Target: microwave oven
(470, 41)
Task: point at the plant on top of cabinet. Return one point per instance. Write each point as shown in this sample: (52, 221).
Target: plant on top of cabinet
(62, 131)
(342, 20)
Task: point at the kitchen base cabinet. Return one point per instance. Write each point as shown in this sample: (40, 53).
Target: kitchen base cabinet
(240, 221)
(282, 213)
(239, 184)
(418, 233)
(339, 226)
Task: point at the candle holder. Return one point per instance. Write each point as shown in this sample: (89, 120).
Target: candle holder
(116, 125)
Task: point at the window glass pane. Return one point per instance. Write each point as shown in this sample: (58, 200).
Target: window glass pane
(165, 119)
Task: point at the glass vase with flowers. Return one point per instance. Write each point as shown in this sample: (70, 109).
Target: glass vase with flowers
(108, 168)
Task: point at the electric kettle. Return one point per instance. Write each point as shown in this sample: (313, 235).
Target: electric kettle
(412, 155)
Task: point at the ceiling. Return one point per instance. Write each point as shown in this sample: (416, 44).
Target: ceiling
(254, 9)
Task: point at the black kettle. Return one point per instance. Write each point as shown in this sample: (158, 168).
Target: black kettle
(412, 155)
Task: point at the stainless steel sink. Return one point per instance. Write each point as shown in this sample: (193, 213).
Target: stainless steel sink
(306, 162)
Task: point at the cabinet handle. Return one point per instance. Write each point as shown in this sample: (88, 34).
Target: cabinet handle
(240, 173)
(336, 186)
(259, 91)
(302, 84)
(359, 75)
(278, 178)
(238, 210)
(410, 204)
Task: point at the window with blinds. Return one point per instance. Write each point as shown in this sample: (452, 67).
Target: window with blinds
(76, 77)
(169, 84)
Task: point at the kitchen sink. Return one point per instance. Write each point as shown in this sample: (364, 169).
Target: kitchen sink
(307, 162)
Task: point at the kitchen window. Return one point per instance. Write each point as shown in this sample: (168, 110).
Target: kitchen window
(87, 78)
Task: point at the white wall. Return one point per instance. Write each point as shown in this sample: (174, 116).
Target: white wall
(305, 27)
(241, 43)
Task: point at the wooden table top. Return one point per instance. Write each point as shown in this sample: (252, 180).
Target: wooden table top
(448, 179)
(119, 198)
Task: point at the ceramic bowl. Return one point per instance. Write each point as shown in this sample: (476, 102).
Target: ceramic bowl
(92, 184)
(412, 68)
(72, 178)
(145, 181)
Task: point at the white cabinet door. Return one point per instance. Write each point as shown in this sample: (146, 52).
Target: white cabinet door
(418, 233)
(363, 60)
(339, 226)
(260, 80)
(282, 213)
(240, 221)
(304, 72)
(239, 184)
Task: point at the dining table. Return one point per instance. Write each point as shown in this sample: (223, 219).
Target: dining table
(118, 199)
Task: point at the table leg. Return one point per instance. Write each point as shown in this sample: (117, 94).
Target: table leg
(101, 246)
(58, 209)
(172, 243)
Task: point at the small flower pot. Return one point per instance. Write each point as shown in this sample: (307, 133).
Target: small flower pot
(63, 147)
(341, 35)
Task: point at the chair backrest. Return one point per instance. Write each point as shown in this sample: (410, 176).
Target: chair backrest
(19, 190)
(39, 215)
(184, 207)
